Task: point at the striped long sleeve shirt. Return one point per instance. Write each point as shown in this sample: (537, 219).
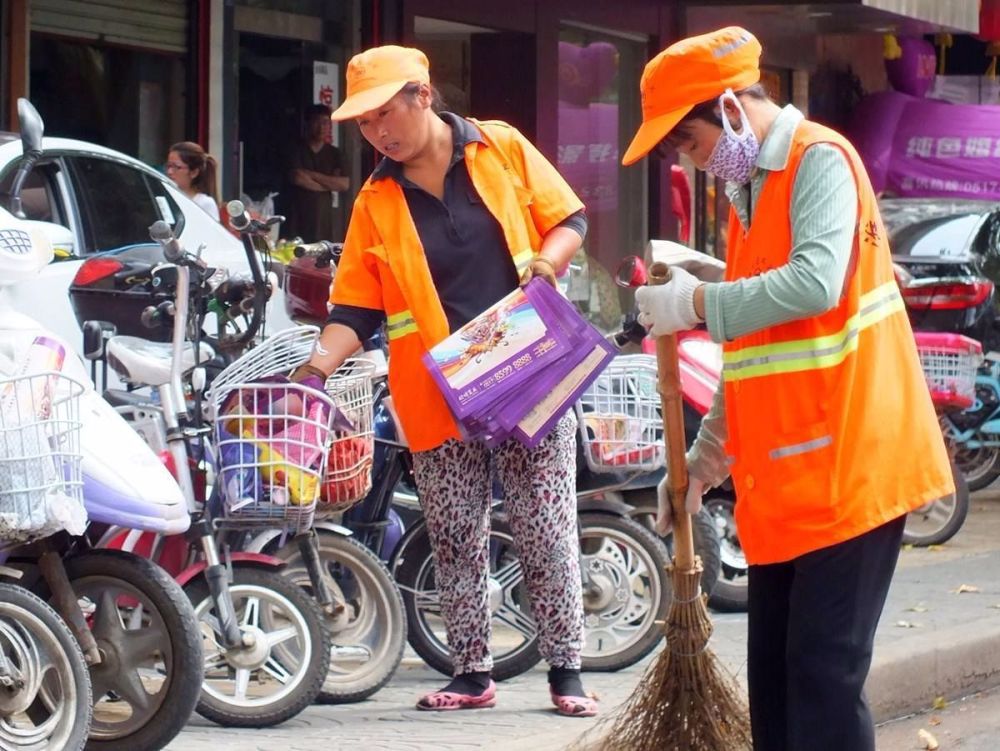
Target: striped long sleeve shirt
(824, 220)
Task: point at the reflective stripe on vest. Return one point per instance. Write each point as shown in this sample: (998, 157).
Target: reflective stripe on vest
(522, 260)
(820, 352)
(400, 324)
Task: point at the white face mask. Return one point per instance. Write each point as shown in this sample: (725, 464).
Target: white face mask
(735, 154)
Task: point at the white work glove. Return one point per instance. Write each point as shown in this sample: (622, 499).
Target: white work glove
(669, 308)
(665, 512)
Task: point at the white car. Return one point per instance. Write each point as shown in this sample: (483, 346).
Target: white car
(90, 199)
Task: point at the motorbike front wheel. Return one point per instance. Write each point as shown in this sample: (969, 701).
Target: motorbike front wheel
(280, 669)
(369, 633)
(151, 655)
(47, 706)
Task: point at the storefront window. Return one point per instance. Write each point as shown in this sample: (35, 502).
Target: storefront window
(599, 113)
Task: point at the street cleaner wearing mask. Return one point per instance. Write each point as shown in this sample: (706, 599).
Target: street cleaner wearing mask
(823, 417)
(454, 217)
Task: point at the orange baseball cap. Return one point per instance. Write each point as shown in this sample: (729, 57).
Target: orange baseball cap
(375, 76)
(690, 72)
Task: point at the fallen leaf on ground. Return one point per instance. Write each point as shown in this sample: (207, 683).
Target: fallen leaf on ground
(917, 609)
(935, 720)
(929, 741)
(939, 702)
(996, 605)
(907, 624)
(962, 588)
(907, 547)
(934, 548)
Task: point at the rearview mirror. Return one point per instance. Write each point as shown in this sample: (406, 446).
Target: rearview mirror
(631, 272)
(32, 127)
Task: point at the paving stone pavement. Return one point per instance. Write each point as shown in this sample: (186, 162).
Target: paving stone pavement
(924, 614)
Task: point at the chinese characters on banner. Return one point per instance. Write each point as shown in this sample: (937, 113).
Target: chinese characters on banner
(942, 149)
(326, 83)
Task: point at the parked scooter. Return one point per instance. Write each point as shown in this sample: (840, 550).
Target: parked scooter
(262, 632)
(134, 625)
(974, 434)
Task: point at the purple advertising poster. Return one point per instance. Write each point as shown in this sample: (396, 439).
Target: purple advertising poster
(937, 149)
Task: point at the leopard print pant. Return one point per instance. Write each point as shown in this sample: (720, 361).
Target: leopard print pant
(455, 486)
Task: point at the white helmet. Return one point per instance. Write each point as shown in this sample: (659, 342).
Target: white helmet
(24, 249)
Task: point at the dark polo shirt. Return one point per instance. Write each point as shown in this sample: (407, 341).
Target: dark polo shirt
(463, 242)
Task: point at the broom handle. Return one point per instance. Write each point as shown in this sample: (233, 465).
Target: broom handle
(669, 377)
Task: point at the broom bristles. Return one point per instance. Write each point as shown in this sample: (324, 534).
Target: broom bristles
(686, 701)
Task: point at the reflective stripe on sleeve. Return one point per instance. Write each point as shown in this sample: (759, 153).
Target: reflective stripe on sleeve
(819, 352)
(522, 260)
(400, 324)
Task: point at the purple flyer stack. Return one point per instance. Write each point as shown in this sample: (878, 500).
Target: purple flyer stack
(519, 366)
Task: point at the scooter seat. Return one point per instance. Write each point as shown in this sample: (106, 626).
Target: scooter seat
(141, 361)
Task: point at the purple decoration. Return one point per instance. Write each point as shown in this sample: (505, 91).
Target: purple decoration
(913, 72)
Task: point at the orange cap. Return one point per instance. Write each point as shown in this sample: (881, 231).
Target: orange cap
(689, 72)
(375, 76)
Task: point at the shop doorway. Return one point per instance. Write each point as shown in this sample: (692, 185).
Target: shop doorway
(287, 53)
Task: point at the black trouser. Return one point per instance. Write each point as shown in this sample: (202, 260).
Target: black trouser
(812, 624)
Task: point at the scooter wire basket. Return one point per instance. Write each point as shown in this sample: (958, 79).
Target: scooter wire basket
(346, 477)
(950, 362)
(349, 463)
(271, 444)
(276, 354)
(621, 425)
(41, 484)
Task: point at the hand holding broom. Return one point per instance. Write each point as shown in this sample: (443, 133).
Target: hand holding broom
(686, 701)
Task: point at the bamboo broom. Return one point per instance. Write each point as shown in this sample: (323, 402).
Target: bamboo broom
(686, 701)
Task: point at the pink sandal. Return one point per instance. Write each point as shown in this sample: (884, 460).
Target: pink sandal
(574, 706)
(445, 701)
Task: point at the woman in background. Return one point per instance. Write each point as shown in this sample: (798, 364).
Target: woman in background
(193, 171)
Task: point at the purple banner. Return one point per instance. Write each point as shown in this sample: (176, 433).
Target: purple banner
(936, 149)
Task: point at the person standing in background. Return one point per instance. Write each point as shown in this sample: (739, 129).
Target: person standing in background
(315, 178)
(193, 171)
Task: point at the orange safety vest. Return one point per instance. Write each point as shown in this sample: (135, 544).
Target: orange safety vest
(830, 420)
(383, 265)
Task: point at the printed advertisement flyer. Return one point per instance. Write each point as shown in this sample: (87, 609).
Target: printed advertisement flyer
(518, 367)
(495, 352)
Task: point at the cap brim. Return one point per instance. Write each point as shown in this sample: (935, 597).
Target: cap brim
(651, 132)
(367, 100)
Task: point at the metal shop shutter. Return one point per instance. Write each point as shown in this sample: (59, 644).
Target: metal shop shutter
(149, 24)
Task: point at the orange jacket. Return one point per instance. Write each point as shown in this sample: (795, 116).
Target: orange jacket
(383, 266)
(830, 420)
